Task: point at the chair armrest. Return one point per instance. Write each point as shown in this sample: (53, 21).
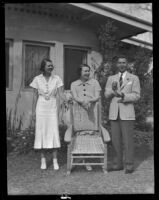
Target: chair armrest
(105, 134)
(68, 134)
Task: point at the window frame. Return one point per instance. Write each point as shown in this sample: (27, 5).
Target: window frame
(35, 43)
(10, 83)
(66, 46)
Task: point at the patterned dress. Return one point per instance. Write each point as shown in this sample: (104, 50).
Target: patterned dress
(46, 128)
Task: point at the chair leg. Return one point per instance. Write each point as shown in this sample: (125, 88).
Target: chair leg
(69, 159)
(105, 159)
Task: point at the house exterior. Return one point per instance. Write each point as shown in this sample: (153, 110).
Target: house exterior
(63, 32)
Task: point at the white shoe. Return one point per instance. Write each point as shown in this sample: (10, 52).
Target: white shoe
(55, 164)
(43, 163)
(89, 167)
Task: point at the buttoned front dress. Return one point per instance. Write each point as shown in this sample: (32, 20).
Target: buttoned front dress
(86, 90)
(46, 128)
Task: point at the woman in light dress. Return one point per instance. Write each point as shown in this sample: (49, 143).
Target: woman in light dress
(46, 88)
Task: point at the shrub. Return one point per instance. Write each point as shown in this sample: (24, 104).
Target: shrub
(139, 59)
(22, 142)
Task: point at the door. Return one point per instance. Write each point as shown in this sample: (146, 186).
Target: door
(73, 58)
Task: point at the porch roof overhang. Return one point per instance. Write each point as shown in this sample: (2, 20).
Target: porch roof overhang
(127, 25)
(138, 43)
(90, 15)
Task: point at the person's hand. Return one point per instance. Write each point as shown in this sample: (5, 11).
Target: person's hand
(68, 98)
(118, 94)
(64, 101)
(85, 104)
(70, 101)
(114, 86)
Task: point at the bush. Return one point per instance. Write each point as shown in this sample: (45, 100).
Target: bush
(20, 143)
(139, 59)
(143, 137)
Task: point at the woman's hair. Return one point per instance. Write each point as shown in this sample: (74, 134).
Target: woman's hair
(43, 63)
(80, 69)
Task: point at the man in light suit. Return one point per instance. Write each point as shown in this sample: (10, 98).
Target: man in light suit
(123, 89)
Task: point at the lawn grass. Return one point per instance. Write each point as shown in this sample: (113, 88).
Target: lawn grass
(25, 176)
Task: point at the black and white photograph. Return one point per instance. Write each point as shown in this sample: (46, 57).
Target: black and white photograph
(79, 98)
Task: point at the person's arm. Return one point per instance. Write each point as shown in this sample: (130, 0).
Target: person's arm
(75, 96)
(96, 98)
(60, 92)
(34, 85)
(60, 89)
(83, 103)
(35, 97)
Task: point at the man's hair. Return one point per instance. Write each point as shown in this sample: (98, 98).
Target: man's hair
(122, 56)
(80, 69)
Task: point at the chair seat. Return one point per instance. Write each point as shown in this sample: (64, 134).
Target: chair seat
(88, 144)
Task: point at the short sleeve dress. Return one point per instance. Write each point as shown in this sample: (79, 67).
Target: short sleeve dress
(46, 128)
(87, 90)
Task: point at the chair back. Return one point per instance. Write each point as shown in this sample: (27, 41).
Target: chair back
(83, 119)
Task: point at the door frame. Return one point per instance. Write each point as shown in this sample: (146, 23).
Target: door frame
(85, 48)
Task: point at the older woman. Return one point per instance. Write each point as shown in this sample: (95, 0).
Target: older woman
(46, 88)
(85, 90)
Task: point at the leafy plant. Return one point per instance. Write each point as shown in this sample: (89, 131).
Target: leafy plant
(17, 140)
(138, 58)
(22, 142)
(9, 122)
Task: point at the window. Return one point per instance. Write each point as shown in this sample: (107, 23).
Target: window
(73, 58)
(33, 55)
(8, 63)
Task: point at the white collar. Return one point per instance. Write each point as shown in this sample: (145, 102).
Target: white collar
(124, 74)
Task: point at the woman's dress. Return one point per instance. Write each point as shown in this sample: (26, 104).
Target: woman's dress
(46, 128)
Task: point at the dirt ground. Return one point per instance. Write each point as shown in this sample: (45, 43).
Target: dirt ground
(25, 177)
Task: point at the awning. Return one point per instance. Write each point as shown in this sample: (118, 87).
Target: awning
(138, 43)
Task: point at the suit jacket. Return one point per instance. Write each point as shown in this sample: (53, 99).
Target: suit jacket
(131, 90)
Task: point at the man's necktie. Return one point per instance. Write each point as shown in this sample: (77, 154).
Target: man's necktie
(121, 79)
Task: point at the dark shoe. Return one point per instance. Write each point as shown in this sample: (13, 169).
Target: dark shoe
(129, 171)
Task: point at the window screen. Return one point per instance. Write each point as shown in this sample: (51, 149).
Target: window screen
(34, 54)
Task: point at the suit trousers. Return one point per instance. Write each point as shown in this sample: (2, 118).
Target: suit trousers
(122, 133)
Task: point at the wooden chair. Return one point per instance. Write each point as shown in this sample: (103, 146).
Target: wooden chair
(86, 137)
